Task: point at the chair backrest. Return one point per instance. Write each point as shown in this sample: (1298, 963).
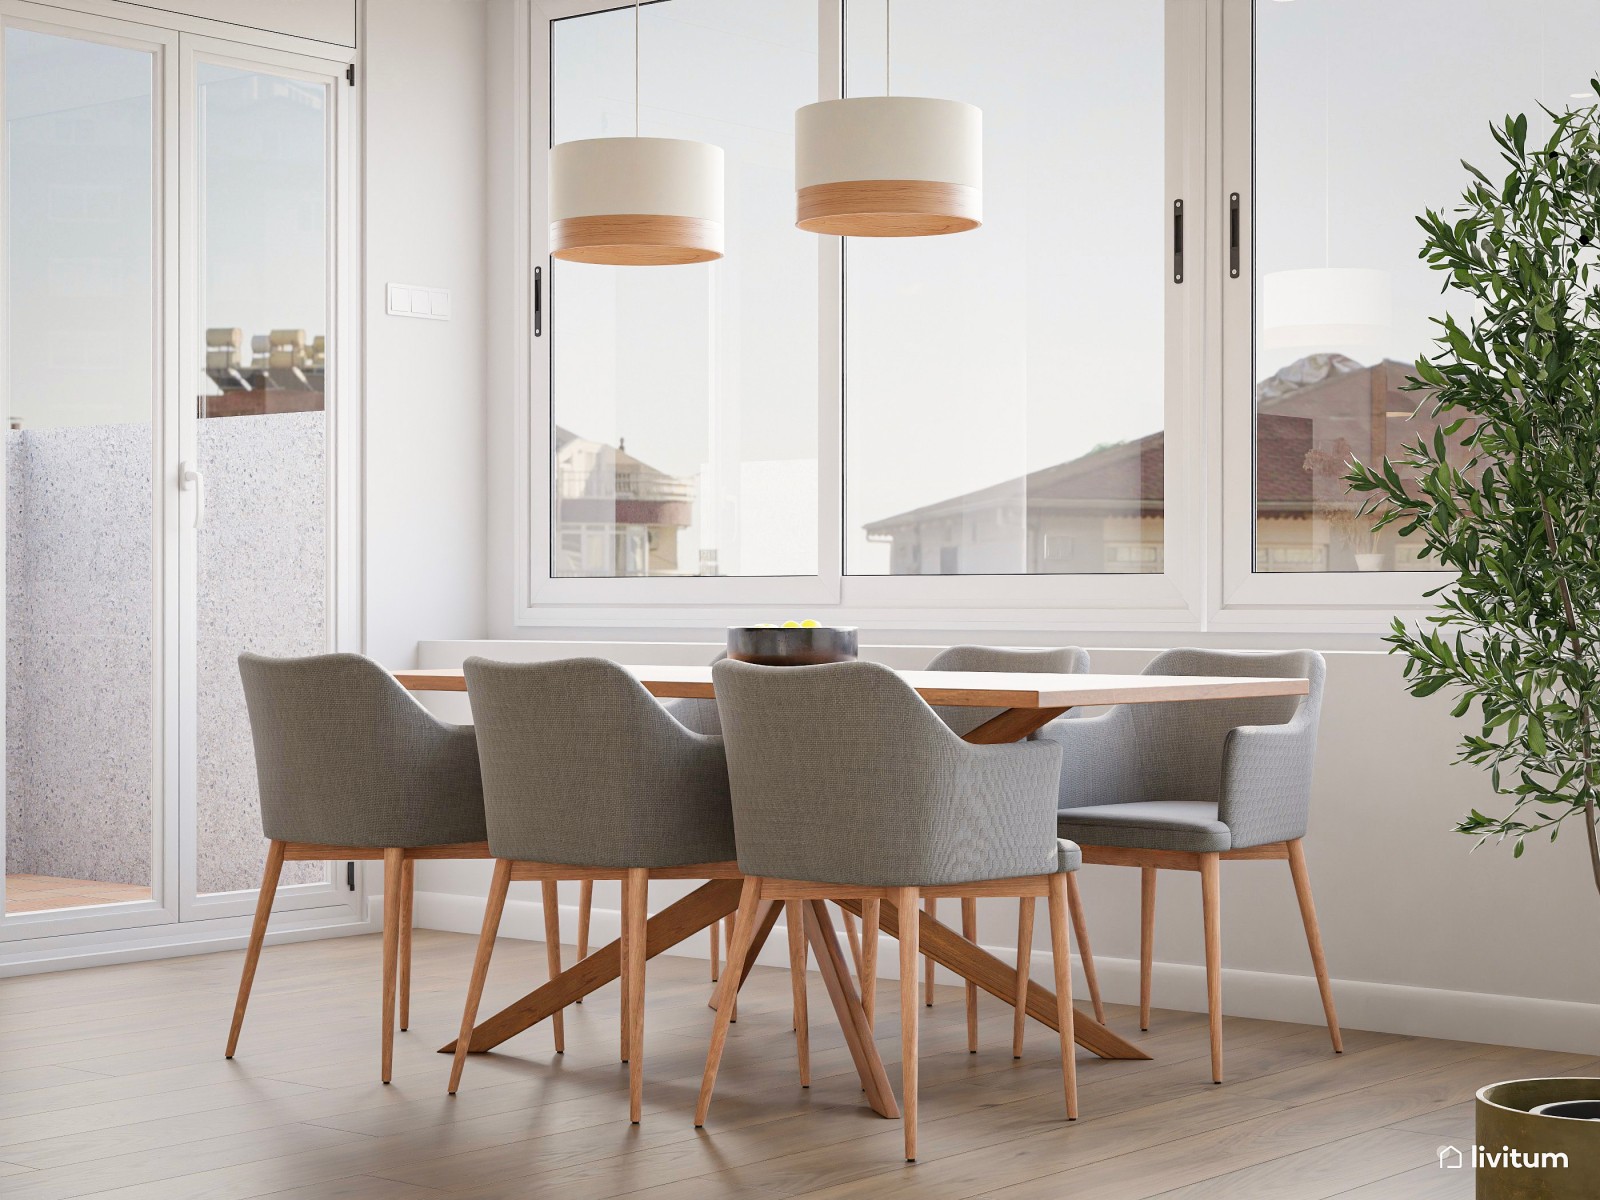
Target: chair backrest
(583, 767)
(1052, 660)
(698, 715)
(841, 773)
(347, 757)
(1181, 745)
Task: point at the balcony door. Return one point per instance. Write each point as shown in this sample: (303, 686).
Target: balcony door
(174, 432)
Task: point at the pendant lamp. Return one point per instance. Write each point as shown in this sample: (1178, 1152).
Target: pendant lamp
(888, 166)
(636, 201)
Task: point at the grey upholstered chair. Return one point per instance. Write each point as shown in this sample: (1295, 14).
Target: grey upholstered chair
(352, 767)
(1185, 785)
(1055, 660)
(846, 784)
(585, 775)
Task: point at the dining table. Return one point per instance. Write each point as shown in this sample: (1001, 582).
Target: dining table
(1024, 702)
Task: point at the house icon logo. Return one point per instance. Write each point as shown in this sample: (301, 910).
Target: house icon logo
(1450, 1157)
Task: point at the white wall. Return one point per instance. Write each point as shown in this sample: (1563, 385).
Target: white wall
(1422, 936)
(426, 186)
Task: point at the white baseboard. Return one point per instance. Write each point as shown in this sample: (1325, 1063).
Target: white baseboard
(1383, 1007)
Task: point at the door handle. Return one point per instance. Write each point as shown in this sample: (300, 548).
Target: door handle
(191, 479)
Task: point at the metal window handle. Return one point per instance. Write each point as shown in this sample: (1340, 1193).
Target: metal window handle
(1177, 241)
(190, 479)
(1233, 235)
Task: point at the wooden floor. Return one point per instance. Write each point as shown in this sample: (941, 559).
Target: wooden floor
(112, 1083)
(36, 893)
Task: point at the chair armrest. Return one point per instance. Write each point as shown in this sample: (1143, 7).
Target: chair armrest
(1009, 792)
(1100, 759)
(1266, 782)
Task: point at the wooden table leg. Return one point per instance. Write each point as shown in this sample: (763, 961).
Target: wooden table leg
(766, 917)
(949, 949)
(847, 1005)
(708, 903)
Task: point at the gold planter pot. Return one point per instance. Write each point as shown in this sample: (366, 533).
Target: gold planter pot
(1521, 1155)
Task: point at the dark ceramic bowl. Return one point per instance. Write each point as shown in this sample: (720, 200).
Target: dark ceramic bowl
(774, 646)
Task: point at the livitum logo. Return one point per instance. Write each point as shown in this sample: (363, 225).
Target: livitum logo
(1481, 1157)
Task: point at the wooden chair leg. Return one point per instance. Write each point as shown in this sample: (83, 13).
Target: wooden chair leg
(1147, 940)
(727, 940)
(585, 907)
(551, 902)
(1019, 1015)
(715, 934)
(1080, 930)
(258, 933)
(1061, 956)
(969, 930)
(905, 903)
(394, 861)
(623, 979)
(408, 888)
(869, 957)
(1308, 915)
(494, 905)
(743, 932)
(794, 914)
(931, 907)
(635, 912)
(1211, 904)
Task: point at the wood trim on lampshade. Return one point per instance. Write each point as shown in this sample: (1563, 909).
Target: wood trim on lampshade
(636, 240)
(888, 208)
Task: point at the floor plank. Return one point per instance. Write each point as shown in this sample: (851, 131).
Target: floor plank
(114, 1085)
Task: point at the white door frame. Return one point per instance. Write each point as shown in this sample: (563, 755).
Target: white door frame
(175, 919)
(333, 890)
(162, 907)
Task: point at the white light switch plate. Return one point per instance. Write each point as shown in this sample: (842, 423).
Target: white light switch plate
(410, 300)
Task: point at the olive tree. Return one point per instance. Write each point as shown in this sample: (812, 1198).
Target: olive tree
(1506, 492)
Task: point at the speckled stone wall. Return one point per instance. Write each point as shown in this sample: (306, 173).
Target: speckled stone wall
(79, 662)
(262, 569)
(79, 606)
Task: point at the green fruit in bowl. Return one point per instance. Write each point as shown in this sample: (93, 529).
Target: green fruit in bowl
(791, 624)
(808, 623)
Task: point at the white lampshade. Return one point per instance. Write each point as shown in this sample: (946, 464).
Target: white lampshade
(888, 166)
(633, 201)
(1325, 307)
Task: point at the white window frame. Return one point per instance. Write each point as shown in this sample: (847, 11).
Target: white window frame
(1209, 513)
(1247, 598)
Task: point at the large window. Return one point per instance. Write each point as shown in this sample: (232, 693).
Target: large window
(1004, 388)
(1364, 110)
(1079, 407)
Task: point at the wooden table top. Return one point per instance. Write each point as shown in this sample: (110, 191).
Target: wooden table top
(964, 689)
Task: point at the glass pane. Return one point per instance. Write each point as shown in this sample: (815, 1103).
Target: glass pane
(263, 575)
(1005, 387)
(80, 370)
(1357, 133)
(684, 398)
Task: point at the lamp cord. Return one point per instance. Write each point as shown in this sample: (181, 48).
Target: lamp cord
(635, 68)
(887, 4)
